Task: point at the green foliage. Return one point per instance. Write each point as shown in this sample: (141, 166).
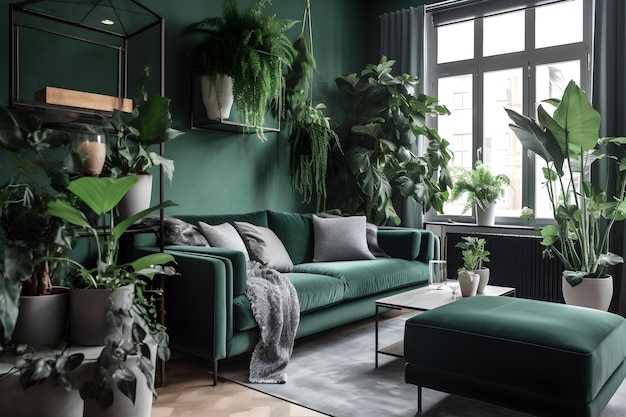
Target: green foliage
(149, 124)
(473, 253)
(374, 160)
(568, 143)
(43, 161)
(482, 187)
(101, 195)
(251, 48)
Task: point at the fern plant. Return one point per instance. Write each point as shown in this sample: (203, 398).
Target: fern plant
(249, 47)
(481, 186)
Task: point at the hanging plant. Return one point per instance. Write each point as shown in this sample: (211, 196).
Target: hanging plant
(251, 48)
(310, 131)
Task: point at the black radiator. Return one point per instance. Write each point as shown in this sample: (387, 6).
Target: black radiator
(516, 261)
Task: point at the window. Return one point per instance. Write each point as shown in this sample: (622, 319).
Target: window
(485, 59)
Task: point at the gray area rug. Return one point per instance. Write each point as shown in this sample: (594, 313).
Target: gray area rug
(333, 373)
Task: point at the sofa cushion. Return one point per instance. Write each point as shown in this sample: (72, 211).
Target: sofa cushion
(314, 292)
(296, 232)
(224, 236)
(340, 238)
(255, 217)
(264, 246)
(368, 277)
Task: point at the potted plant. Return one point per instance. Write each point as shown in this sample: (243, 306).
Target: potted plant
(43, 159)
(568, 143)
(374, 159)
(483, 189)
(309, 130)
(249, 47)
(149, 124)
(101, 195)
(473, 277)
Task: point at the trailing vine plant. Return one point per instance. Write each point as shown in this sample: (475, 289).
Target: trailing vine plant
(251, 48)
(310, 131)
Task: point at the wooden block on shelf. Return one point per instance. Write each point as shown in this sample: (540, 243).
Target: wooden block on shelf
(72, 98)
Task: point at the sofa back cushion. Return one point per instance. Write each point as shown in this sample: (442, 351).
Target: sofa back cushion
(295, 230)
(256, 217)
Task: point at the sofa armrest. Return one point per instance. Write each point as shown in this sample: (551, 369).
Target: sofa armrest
(199, 304)
(236, 258)
(412, 244)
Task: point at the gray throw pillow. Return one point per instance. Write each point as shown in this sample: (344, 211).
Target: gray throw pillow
(265, 247)
(371, 234)
(340, 239)
(223, 236)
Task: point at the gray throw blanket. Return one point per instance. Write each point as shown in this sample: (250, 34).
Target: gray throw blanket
(276, 309)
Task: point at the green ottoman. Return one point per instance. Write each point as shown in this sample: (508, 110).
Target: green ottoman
(542, 358)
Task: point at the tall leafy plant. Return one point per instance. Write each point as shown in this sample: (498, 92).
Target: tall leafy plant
(251, 48)
(568, 143)
(375, 159)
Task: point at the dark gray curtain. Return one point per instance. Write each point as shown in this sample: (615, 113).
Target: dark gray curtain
(609, 98)
(402, 39)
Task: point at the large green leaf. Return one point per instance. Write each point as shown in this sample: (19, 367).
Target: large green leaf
(121, 227)
(9, 298)
(537, 139)
(67, 212)
(578, 118)
(102, 194)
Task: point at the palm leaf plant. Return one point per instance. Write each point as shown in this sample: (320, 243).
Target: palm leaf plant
(567, 141)
(251, 48)
(374, 161)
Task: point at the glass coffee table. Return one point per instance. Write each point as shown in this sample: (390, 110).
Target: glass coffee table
(424, 299)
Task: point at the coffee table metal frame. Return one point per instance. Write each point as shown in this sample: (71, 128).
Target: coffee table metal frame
(424, 299)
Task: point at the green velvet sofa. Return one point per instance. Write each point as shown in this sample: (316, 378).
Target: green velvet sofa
(208, 314)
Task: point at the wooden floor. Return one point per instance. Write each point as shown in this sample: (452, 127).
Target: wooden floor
(188, 392)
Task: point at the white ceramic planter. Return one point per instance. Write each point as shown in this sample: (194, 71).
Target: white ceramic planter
(486, 217)
(217, 96)
(592, 292)
(484, 279)
(138, 198)
(468, 281)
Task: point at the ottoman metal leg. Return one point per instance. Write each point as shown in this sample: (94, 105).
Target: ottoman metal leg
(419, 398)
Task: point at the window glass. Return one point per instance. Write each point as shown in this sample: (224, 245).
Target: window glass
(503, 34)
(551, 82)
(502, 152)
(559, 24)
(455, 42)
(457, 127)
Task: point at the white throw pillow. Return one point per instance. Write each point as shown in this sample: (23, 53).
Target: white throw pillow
(340, 239)
(223, 236)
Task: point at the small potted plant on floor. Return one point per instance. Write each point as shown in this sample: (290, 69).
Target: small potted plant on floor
(473, 277)
(482, 188)
(568, 143)
(249, 47)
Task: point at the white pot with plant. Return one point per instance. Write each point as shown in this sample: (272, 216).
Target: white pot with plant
(150, 124)
(483, 189)
(473, 277)
(568, 143)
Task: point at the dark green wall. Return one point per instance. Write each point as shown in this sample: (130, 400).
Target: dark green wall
(217, 173)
